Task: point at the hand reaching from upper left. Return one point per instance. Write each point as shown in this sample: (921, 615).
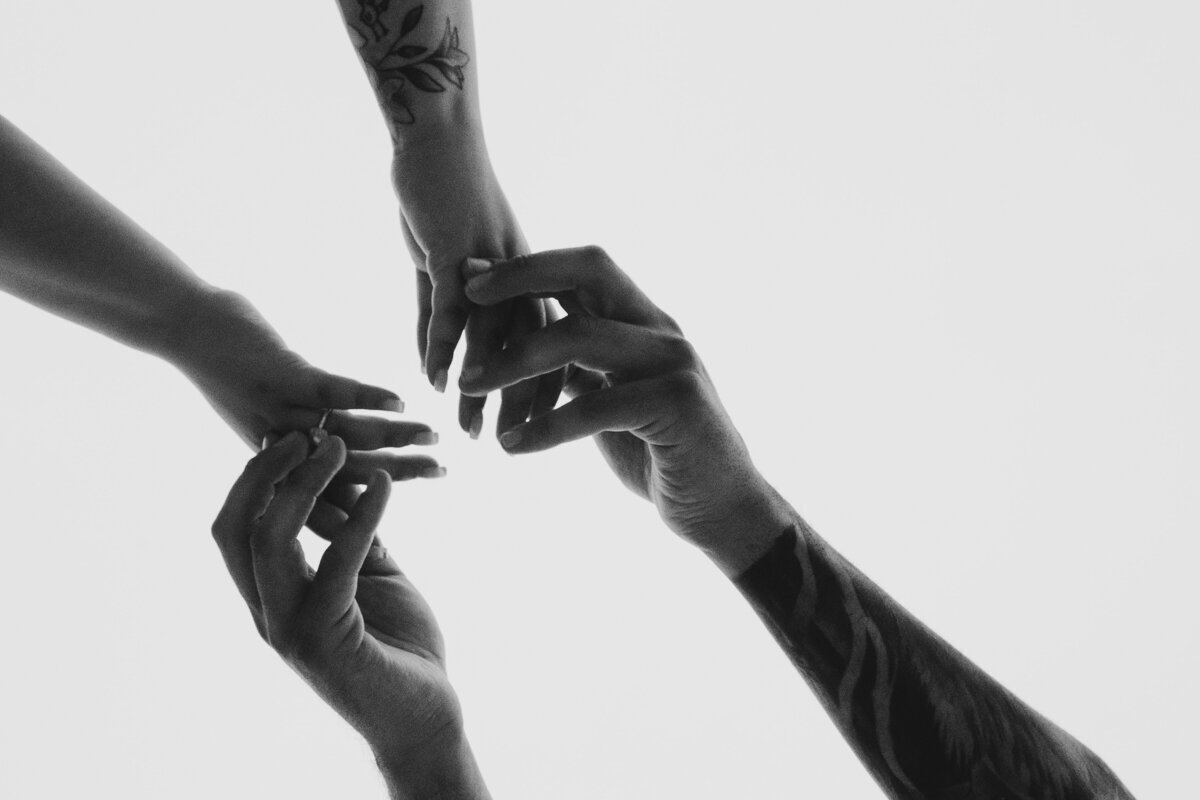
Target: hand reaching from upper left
(260, 387)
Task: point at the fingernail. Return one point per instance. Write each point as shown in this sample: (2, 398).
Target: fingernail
(433, 472)
(476, 425)
(510, 439)
(476, 266)
(424, 437)
(439, 381)
(422, 366)
(469, 374)
(393, 404)
(273, 439)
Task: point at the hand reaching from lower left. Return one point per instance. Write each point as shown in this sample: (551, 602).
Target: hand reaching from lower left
(355, 628)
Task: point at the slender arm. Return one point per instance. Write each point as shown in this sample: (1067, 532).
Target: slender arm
(418, 59)
(66, 249)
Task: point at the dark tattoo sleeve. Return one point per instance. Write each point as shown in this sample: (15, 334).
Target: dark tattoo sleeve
(400, 57)
(924, 720)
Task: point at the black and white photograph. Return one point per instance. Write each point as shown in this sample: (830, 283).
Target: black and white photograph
(472, 400)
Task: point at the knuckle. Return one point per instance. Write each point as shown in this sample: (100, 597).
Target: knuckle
(681, 352)
(596, 255)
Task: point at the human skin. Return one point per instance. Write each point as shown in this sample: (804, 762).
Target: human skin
(355, 629)
(924, 720)
(421, 63)
(65, 249)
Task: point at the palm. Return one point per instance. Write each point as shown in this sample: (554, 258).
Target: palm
(400, 658)
(690, 463)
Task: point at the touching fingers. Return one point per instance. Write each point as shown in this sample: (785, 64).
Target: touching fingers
(583, 278)
(447, 320)
(627, 407)
(485, 333)
(596, 344)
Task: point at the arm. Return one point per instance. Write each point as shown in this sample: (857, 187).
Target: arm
(419, 56)
(67, 250)
(924, 720)
(64, 248)
(355, 629)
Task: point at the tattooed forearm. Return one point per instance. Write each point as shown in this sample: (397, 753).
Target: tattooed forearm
(926, 721)
(399, 55)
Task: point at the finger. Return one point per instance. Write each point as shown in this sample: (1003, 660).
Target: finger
(334, 391)
(361, 463)
(516, 401)
(336, 581)
(424, 313)
(596, 344)
(446, 323)
(549, 388)
(253, 490)
(361, 432)
(248, 499)
(333, 507)
(280, 571)
(485, 332)
(627, 407)
(584, 275)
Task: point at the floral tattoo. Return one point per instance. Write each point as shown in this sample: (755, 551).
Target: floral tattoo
(404, 67)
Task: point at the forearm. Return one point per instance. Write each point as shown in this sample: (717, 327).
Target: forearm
(925, 721)
(450, 774)
(67, 250)
(419, 58)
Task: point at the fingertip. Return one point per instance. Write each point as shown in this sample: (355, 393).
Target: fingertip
(379, 482)
(424, 438)
(476, 266)
(393, 403)
(511, 439)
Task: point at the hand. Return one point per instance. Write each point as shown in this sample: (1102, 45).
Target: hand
(452, 207)
(355, 628)
(638, 387)
(263, 389)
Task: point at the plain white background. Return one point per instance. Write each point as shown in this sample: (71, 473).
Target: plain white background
(940, 259)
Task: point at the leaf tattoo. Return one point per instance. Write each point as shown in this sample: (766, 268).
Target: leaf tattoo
(411, 65)
(369, 14)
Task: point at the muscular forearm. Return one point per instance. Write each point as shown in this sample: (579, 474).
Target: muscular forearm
(924, 720)
(67, 250)
(418, 55)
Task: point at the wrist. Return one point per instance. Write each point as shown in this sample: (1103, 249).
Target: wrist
(756, 518)
(443, 771)
(177, 335)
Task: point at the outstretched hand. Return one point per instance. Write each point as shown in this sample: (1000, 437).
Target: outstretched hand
(638, 387)
(262, 389)
(355, 628)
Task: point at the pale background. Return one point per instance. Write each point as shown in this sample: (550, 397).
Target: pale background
(940, 259)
